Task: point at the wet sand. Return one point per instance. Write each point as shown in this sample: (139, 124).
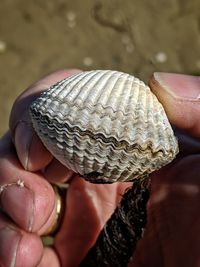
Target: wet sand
(135, 36)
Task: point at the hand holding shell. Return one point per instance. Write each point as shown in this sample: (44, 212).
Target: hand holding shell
(105, 125)
(108, 127)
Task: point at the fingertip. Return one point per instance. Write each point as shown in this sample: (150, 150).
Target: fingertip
(179, 95)
(179, 85)
(49, 258)
(57, 172)
(19, 248)
(30, 251)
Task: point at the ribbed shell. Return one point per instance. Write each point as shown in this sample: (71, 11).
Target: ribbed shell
(105, 125)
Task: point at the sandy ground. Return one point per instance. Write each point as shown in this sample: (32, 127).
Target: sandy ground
(135, 36)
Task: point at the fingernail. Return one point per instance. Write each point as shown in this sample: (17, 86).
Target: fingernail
(179, 85)
(23, 138)
(18, 203)
(9, 243)
(30, 150)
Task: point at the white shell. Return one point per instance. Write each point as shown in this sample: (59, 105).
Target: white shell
(105, 125)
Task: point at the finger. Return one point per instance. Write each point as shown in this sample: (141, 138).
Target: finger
(88, 208)
(18, 248)
(49, 258)
(31, 152)
(32, 206)
(180, 96)
(56, 172)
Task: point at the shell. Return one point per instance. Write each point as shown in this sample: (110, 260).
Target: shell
(105, 125)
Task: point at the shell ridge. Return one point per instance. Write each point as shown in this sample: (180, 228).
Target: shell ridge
(115, 90)
(55, 90)
(111, 140)
(103, 136)
(118, 138)
(119, 95)
(84, 85)
(93, 106)
(61, 117)
(118, 162)
(90, 84)
(44, 100)
(110, 100)
(130, 96)
(110, 145)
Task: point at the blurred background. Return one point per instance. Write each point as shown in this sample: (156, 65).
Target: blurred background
(134, 36)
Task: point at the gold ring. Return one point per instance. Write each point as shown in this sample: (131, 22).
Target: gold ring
(60, 195)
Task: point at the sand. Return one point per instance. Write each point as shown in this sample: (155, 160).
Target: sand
(135, 36)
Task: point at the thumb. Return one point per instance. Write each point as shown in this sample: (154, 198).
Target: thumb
(180, 97)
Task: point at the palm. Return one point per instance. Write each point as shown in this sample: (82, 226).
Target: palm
(88, 208)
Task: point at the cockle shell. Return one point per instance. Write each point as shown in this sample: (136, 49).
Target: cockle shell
(105, 125)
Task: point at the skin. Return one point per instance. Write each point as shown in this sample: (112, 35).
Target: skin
(172, 237)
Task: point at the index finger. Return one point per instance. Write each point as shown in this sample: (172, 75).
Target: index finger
(31, 152)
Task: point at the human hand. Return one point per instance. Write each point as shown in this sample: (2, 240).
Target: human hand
(93, 211)
(26, 213)
(172, 237)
